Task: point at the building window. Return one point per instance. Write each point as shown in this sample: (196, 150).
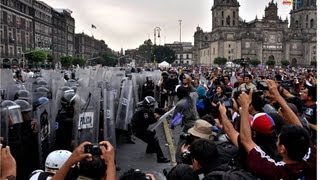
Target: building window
(234, 14)
(229, 52)
(297, 24)
(222, 13)
(228, 20)
(187, 62)
(311, 23)
(229, 45)
(233, 22)
(214, 51)
(187, 56)
(307, 17)
(11, 51)
(221, 22)
(229, 57)
(306, 24)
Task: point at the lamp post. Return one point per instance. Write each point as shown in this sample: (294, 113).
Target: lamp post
(180, 21)
(155, 34)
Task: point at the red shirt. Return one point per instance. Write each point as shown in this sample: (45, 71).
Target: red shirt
(264, 167)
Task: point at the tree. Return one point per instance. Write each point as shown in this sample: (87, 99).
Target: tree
(285, 62)
(36, 57)
(66, 61)
(271, 62)
(108, 59)
(163, 53)
(313, 63)
(146, 50)
(79, 61)
(220, 61)
(254, 62)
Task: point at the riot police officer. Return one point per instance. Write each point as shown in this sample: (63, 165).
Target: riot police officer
(140, 123)
(64, 121)
(148, 87)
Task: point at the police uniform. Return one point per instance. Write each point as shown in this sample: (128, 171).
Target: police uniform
(140, 123)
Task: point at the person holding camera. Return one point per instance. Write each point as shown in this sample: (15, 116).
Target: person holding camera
(95, 162)
(140, 122)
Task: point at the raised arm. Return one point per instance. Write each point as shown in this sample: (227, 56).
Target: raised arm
(227, 125)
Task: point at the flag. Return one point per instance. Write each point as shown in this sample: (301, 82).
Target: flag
(93, 26)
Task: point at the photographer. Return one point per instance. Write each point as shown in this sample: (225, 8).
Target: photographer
(169, 87)
(79, 155)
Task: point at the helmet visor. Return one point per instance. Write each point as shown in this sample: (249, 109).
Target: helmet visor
(14, 114)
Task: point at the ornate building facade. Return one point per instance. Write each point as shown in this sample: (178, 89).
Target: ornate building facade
(269, 38)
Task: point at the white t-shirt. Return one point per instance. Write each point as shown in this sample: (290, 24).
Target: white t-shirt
(35, 175)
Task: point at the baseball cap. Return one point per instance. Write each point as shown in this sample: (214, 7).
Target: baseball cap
(202, 129)
(263, 123)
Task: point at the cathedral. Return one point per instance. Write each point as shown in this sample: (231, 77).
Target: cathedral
(269, 38)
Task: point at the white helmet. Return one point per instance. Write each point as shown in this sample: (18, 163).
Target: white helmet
(56, 159)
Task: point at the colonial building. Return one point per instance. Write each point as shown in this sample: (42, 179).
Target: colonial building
(16, 31)
(63, 33)
(87, 47)
(269, 38)
(183, 52)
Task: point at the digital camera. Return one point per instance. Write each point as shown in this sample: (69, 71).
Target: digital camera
(93, 149)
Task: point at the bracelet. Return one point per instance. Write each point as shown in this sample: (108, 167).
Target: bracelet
(11, 177)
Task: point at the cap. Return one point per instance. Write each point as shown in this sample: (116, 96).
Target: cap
(202, 129)
(263, 123)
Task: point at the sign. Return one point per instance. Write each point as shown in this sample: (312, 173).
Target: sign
(291, 2)
(85, 120)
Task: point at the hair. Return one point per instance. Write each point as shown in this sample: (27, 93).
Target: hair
(182, 92)
(182, 172)
(133, 174)
(297, 102)
(209, 119)
(257, 102)
(296, 141)
(94, 169)
(227, 76)
(248, 76)
(204, 151)
(312, 92)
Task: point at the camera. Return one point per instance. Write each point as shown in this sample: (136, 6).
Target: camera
(262, 85)
(93, 149)
(186, 157)
(187, 137)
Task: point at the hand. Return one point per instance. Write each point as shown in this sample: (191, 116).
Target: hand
(34, 126)
(222, 109)
(273, 92)
(244, 99)
(108, 153)
(184, 148)
(8, 163)
(157, 115)
(218, 124)
(78, 154)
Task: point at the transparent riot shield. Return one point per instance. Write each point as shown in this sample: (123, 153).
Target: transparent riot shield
(125, 107)
(109, 117)
(135, 89)
(12, 90)
(86, 115)
(4, 125)
(42, 115)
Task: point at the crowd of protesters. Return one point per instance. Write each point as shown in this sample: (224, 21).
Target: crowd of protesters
(253, 123)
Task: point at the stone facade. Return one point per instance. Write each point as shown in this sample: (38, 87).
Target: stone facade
(269, 38)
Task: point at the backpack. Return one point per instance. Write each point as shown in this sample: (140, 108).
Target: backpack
(226, 172)
(227, 152)
(232, 174)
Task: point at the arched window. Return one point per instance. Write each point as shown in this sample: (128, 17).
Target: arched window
(222, 13)
(311, 23)
(234, 14)
(228, 20)
(297, 24)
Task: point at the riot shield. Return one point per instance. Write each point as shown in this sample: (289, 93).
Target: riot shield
(125, 107)
(109, 117)
(42, 115)
(12, 90)
(4, 124)
(86, 115)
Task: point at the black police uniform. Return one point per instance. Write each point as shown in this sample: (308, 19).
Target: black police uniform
(148, 89)
(140, 123)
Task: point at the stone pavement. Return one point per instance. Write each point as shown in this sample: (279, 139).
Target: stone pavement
(134, 156)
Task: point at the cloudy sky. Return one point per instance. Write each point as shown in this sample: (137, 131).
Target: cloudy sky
(127, 23)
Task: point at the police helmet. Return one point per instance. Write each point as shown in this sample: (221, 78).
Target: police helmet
(68, 96)
(64, 88)
(23, 94)
(42, 89)
(42, 82)
(40, 101)
(56, 159)
(149, 101)
(25, 106)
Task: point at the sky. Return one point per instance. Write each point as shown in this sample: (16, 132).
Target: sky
(128, 23)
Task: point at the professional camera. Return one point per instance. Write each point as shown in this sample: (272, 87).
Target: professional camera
(186, 157)
(262, 85)
(188, 137)
(93, 149)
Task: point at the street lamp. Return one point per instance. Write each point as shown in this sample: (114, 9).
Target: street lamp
(155, 34)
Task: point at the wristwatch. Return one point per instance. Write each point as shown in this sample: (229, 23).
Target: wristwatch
(11, 177)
